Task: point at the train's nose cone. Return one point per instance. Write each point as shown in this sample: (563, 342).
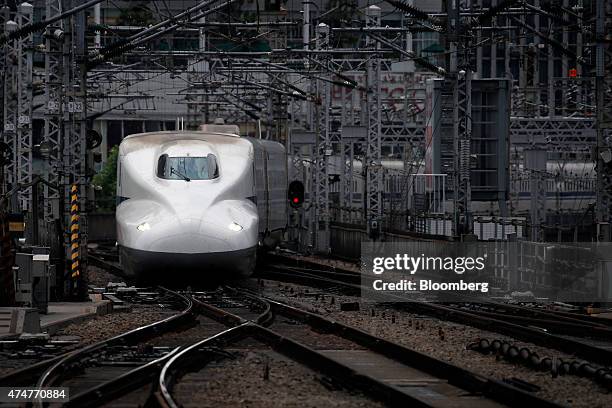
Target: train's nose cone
(192, 235)
(190, 225)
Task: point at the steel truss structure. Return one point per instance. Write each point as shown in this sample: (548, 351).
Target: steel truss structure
(458, 84)
(603, 77)
(54, 108)
(10, 101)
(4, 17)
(373, 163)
(555, 134)
(521, 41)
(323, 149)
(75, 138)
(25, 45)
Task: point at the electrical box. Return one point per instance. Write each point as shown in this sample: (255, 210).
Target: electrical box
(32, 279)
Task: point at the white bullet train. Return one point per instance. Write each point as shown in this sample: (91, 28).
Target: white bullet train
(198, 202)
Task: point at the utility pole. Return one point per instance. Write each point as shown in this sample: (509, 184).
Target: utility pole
(373, 149)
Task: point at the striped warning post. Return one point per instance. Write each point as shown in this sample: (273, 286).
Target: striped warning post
(74, 233)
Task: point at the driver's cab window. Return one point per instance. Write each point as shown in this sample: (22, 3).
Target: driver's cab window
(187, 168)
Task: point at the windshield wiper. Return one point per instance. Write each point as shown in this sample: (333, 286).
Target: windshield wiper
(184, 177)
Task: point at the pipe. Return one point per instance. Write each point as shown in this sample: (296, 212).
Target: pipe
(556, 366)
(97, 38)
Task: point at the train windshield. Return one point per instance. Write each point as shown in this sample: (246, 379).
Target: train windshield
(187, 168)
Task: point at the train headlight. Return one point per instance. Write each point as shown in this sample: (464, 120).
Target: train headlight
(235, 227)
(143, 227)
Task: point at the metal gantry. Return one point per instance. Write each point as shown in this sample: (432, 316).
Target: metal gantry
(4, 17)
(75, 139)
(369, 123)
(323, 149)
(54, 111)
(373, 164)
(460, 80)
(603, 73)
(11, 80)
(347, 153)
(24, 108)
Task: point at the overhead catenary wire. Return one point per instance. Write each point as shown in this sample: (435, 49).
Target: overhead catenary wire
(307, 74)
(41, 25)
(127, 44)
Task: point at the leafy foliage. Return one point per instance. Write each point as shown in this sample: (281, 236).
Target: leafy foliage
(107, 180)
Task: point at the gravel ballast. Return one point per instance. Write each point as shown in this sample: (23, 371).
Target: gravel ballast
(240, 382)
(447, 341)
(110, 325)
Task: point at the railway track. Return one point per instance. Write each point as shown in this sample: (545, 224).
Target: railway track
(134, 386)
(596, 329)
(115, 356)
(384, 370)
(146, 365)
(590, 337)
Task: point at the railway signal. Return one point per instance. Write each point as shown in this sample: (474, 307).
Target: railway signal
(296, 194)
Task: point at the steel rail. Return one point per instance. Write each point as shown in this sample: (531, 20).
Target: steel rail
(230, 319)
(551, 314)
(26, 376)
(569, 317)
(185, 359)
(121, 385)
(460, 377)
(180, 363)
(60, 369)
(531, 334)
(559, 327)
(558, 319)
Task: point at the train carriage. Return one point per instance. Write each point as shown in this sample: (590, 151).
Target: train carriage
(198, 201)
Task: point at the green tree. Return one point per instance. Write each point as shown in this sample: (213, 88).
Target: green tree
(106, 183)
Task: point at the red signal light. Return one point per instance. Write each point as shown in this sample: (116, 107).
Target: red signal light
(295, 193)
(573, 73)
